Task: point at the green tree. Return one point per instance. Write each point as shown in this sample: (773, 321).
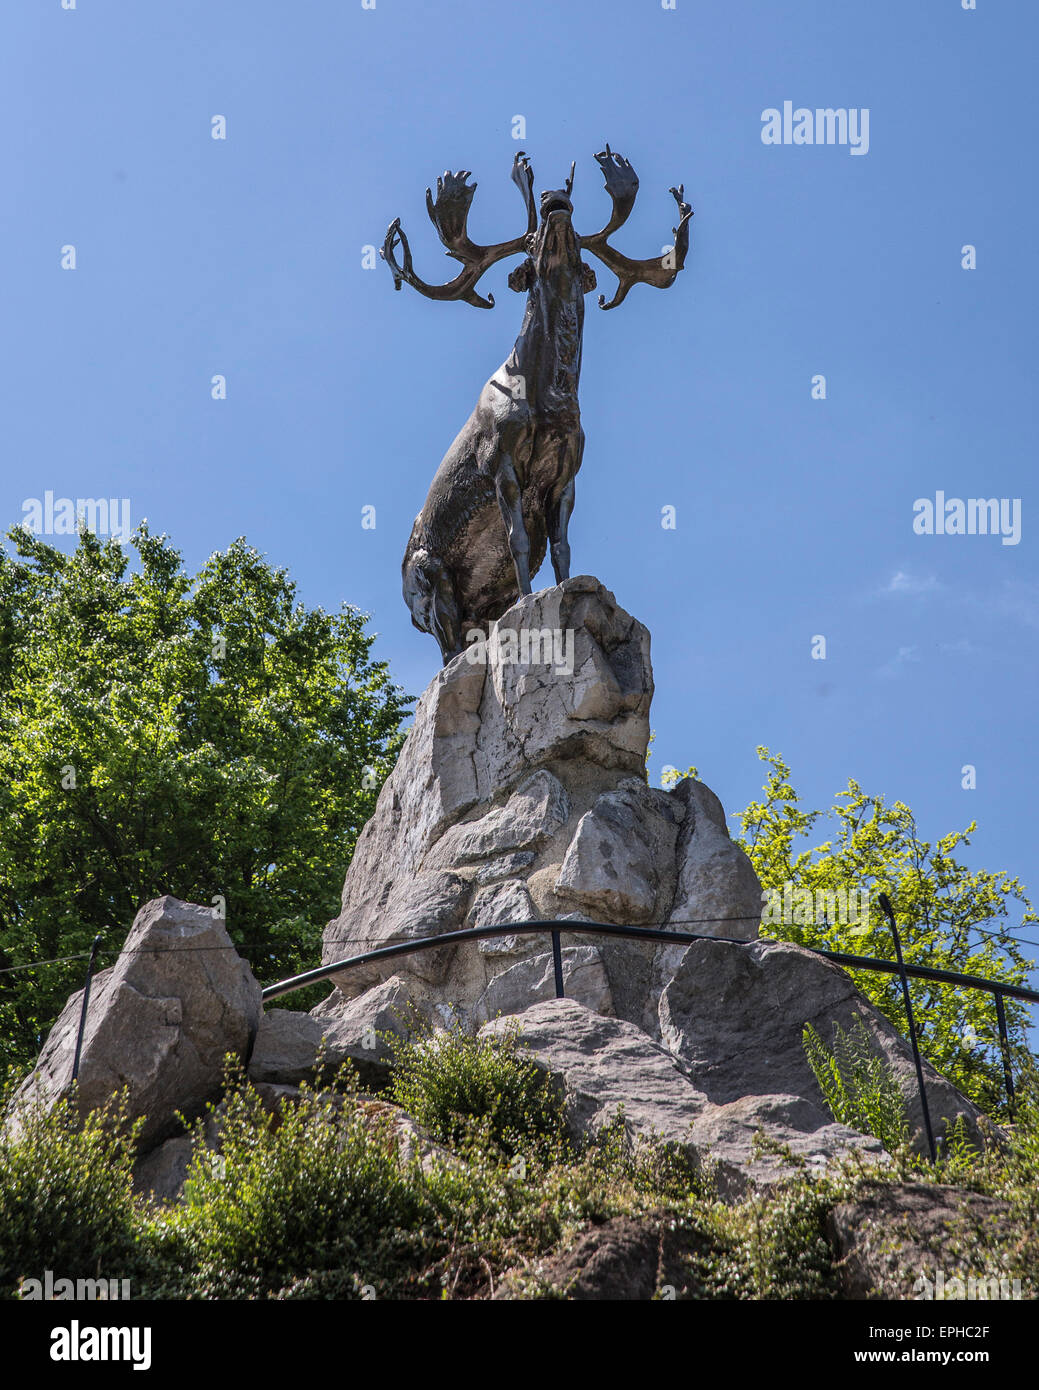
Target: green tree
(203, 736)
(950, 917)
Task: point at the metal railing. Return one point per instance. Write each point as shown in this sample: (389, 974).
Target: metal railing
(557, 929)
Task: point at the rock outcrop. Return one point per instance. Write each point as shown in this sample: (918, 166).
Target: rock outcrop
(731, 1063)
(908, 1242)
(520, 794)
(291, 1047)
(734, 1018)
(607, 1067)
(160, 1021)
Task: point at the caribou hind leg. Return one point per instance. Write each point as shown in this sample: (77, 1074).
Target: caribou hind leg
(430, 592)
(446, 621)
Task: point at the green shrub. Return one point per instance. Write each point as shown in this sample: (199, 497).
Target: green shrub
(776, 1245)
(463, 1089)
(319, 1202)
(66, 1201)
(858, 1085)
(321, 1190)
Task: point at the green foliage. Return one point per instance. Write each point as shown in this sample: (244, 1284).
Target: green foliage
(458, 1087)
(775, 1245)
(671, 776)
(65, 1196)
(330, 1199)
(164, 733)
(322, 1191)
(950, 918)
(858, 1084)
(668, 775)
(1014, 1172)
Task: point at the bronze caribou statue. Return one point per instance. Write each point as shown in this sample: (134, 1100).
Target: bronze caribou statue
(505, 488)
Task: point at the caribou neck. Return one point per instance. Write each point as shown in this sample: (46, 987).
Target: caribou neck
(547, 353)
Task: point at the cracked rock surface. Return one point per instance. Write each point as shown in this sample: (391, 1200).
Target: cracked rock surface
(159, 1021)
(521, 795)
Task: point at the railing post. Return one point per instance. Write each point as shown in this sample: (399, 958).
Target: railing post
(885, 904)
(557, 961)
(1004, 1047)
(83, 1011)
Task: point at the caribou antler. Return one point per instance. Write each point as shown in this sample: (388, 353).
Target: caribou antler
(622, 184)
(449, 213)
(523, 177)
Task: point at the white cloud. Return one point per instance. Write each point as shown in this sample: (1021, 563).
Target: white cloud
(905, 656)
(1016, 600)
(911, 585)
(1019, 598)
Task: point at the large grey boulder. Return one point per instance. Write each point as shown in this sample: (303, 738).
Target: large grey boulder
(520, 795)
(718, 892)
(620, 862)
(291, 1047)
(734, 1017)
(532, 979)
(160, 1021)
(608, 1068)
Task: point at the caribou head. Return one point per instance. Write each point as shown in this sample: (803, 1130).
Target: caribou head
(551, 246)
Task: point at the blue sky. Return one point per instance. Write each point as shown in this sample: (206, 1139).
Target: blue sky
(794, 516)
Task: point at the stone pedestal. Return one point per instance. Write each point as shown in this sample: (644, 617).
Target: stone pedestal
(521, 794)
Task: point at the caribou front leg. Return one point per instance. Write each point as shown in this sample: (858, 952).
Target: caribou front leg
(510, 500)
(561, 504)
(559, 509)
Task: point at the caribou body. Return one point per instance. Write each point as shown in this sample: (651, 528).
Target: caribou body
(504, 491)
